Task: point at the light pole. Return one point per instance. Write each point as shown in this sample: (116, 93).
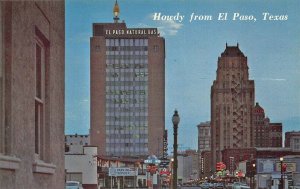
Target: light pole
(175, 120)
(281, 174)
(171, 176)
(253, 175)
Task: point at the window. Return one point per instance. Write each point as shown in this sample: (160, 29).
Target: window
(40, 98)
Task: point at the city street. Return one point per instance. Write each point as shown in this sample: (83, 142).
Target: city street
(151, 94)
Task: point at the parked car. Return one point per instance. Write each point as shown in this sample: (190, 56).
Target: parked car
(204, 185)
(219, 185)
(211, 185)
(73, 185)
(229, 185)
(239, 185)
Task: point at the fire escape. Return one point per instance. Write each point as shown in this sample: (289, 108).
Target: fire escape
(237, 126)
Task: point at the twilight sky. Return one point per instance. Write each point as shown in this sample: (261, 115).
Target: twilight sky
(192, 50)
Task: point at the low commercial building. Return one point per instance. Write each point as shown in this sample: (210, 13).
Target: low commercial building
(127, 163)
(83, 167)
(275, 152)
(269, 172)
(232, 157)
(74, 143)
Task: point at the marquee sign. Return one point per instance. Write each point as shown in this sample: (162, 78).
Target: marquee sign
(165, 151)
(124, 171)
(139, 31)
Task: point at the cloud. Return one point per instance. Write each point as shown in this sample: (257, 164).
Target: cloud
(271, 79)
(165, 27)
(168, 27)
(85, 100)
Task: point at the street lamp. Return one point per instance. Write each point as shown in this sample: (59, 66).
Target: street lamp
(175, 120)
(281, 173)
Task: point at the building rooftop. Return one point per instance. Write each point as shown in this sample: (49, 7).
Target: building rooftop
(204, 124)
(232, 51)
(258, 108)
(273, 149)
(293, 132)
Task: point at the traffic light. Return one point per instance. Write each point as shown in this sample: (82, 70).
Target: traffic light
(248, 169)
(283, 168)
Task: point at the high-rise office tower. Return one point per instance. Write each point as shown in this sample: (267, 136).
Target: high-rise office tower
(204, 145)
(204, 136)
(232, 100)
(275, 135)
(127, 89)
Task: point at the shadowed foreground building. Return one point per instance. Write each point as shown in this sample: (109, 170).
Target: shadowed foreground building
(127, 89)
(32, 56)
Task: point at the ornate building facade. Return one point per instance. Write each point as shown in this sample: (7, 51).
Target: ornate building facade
(232, 100)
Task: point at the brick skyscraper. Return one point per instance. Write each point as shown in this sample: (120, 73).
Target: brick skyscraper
(127, 89)
(232, 100)
(261, 128)
(265, 133)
